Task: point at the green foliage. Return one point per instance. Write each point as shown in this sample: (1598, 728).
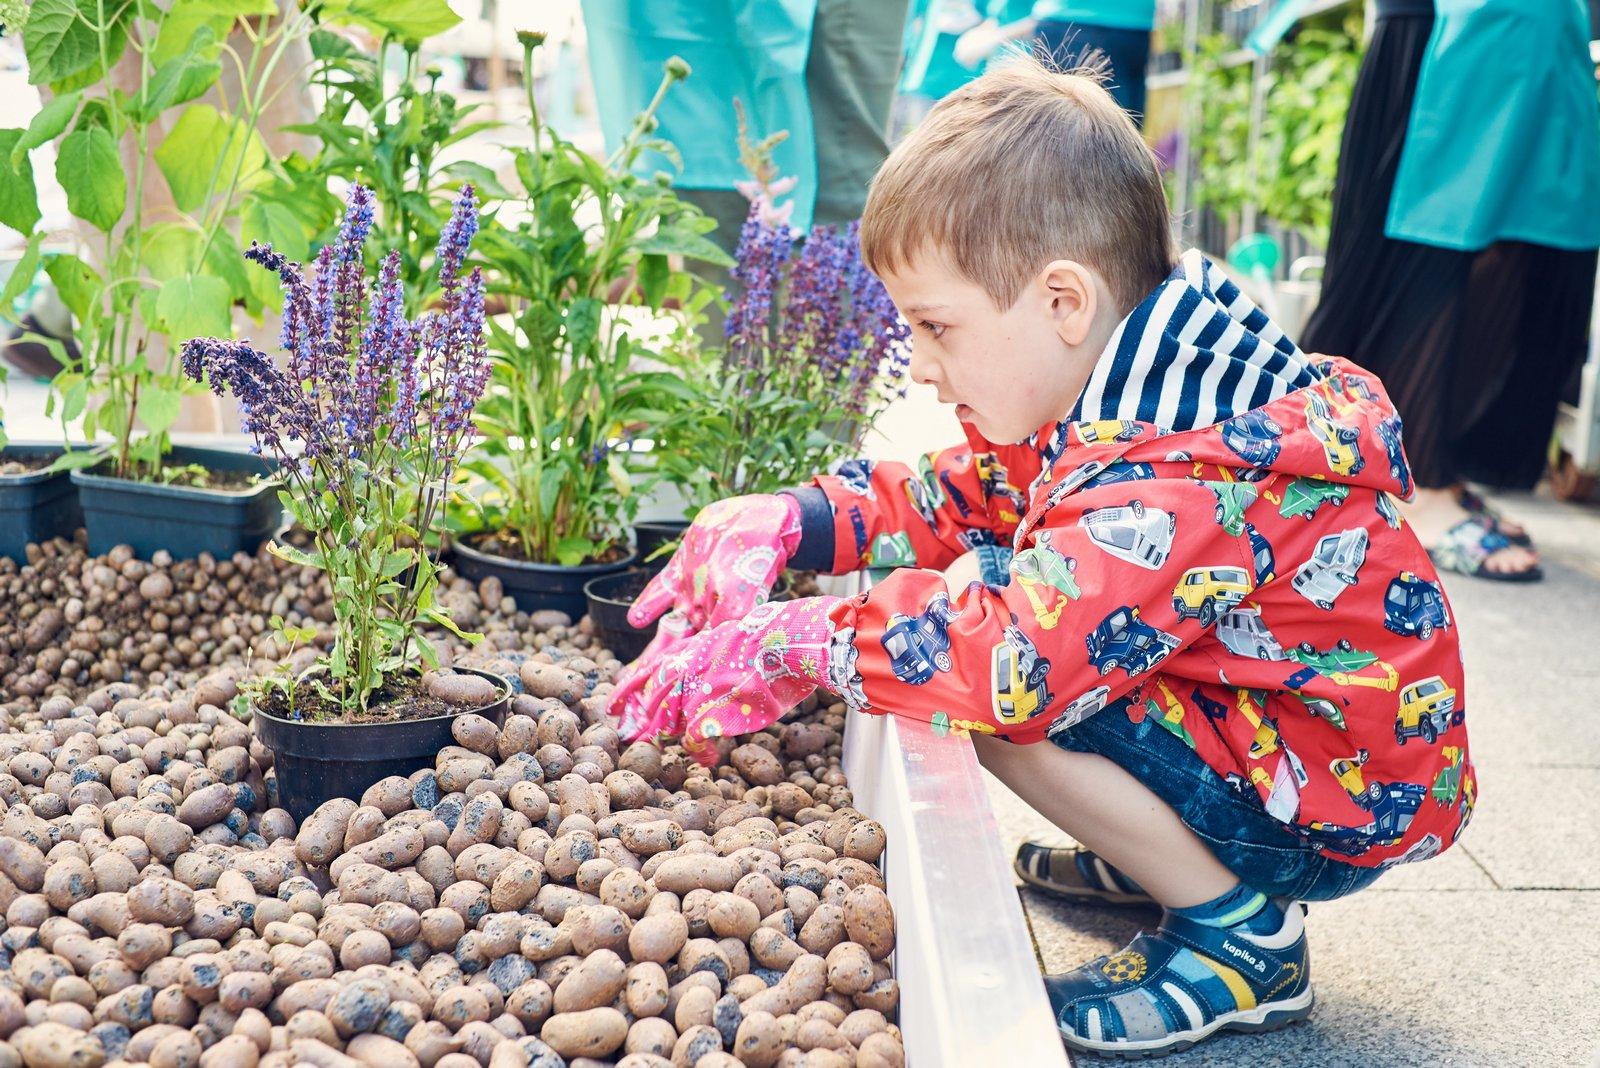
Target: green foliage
(570, 373)
(1307, 94)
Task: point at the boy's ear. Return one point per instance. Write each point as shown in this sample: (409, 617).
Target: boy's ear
(1071, 291)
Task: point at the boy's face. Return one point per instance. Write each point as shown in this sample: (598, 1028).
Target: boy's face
(1008, 371)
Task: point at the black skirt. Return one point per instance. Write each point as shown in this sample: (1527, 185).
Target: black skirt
(1474, 347)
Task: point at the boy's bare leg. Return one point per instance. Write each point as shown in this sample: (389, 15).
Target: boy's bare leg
(1115, 815)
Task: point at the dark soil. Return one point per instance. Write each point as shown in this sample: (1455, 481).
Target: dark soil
(25, 465)
(191, 476)
(499, 543)
(400, 698)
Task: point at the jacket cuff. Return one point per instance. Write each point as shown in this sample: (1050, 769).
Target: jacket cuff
(815, 551)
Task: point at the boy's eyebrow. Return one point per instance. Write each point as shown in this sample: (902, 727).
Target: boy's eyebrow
(919, 309)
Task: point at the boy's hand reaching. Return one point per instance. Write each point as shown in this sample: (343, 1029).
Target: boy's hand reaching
(733, 678)
(730, 557)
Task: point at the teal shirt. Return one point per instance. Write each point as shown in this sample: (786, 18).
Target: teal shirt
(1504, 137)
(930, 67)
(1116, 14)
(751, 50)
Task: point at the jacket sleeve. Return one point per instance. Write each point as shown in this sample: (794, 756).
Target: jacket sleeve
(884, 514)
(1098, 598)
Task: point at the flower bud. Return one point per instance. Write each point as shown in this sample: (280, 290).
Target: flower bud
(678, 68)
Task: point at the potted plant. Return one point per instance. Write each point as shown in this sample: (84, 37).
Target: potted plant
(579, 255)
(368, 423)
(162, 276)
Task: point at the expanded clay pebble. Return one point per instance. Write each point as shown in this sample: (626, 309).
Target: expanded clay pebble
(542, 894)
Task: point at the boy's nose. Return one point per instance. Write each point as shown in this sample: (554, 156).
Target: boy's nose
(922, 369)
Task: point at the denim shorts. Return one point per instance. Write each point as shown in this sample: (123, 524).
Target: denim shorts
(1261, 851)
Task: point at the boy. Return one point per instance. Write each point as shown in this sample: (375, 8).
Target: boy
(1241, 663)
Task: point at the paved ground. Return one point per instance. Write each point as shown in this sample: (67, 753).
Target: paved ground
(1482, 956)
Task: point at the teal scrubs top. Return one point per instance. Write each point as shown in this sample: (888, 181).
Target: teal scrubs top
(931, 69)
(1504, 138)
(1113, 14)
(752, 50)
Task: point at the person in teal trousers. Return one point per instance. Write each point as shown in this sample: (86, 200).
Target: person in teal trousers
(822, 70)
(1461, 260)
(1069, 34)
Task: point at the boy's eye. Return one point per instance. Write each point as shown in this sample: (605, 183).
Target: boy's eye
(936, 329)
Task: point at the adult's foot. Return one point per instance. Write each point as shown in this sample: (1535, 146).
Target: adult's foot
(1476, 503)
(1462, 541)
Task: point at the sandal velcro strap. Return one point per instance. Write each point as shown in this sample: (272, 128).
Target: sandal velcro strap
(1266, 970)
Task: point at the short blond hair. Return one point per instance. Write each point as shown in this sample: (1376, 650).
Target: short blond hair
(1022, 166)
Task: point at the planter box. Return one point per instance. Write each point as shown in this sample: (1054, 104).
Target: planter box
(183, 520)
(37, 506)
(970, 987)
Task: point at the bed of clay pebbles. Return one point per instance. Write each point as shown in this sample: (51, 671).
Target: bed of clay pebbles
(544, 895)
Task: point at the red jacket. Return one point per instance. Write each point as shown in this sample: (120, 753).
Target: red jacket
(1290, 629)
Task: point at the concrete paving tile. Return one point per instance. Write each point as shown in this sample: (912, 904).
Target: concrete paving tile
(1539, 828)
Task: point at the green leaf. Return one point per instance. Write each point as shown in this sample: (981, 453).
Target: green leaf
(654, 273)
(159, 408)
(90, 170)
(410, 20)
(442, 618)
(21, 275)
(77, 459)
(73, 400)
(582, 324)
(285, 551)
(396, 562)
(77, 283)
(182, 78)
(205, 144)
(46, 126)
(195, 305)
(58, 42)
(19, 199)
(269, 222)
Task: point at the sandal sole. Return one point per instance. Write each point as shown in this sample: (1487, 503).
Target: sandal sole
(1269, 1017)
(1532, 574)
(1082, 895)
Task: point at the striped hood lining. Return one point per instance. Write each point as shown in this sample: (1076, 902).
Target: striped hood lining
(1194, 352)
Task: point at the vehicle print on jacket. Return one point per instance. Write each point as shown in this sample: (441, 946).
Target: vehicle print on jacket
(1207, 593)
(1344, 664)
(1426, 710)
(1305, 495)
(1232, 500)
(1164, 709)
(843, 675)
(1079, 709)
(892, 549)
(1266, 567)
(1391, 805)
(1447, 784)
(1387, 511)
(1020, 683)
(1390, 432)
(1339, 442)
(1265, 741)
(1333, 567)
(856, 476)
(1243, 633)
(1121, 471)
(1282, 785)
(996, 484)
(1415, 606)
(1123, 640)
(920, 645)
(1095, 431)
(1046, 576)
(1253, 437)
(1132, 532)
(917, 494)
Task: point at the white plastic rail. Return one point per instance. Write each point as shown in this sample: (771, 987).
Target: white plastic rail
(969, 980)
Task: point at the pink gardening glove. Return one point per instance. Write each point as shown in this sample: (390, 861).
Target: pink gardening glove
(734, 678)
(730, 557)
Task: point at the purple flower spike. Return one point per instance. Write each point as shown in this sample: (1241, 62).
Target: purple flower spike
(457, 235)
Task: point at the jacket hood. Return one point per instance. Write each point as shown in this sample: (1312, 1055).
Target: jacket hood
(1198, 376)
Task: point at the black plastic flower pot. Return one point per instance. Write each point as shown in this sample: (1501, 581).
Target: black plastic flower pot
(650, 535)
(610, 597)
(184, 520)
(535, 587)
(35, 506)
(316, 762)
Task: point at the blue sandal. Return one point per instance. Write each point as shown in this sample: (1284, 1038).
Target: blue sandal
(1172, 989)
(1076, 874)
(1466, 547)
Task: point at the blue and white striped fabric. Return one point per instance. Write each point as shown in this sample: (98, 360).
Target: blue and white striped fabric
(1194, 352)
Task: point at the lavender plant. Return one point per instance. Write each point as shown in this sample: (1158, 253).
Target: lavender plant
(369, 423)
(815, 349)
